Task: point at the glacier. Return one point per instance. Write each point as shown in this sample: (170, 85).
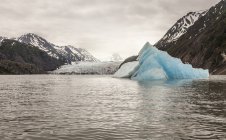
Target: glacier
(155, 64)
(87, 68)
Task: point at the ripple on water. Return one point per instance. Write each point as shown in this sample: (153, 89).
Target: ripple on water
(38, 107)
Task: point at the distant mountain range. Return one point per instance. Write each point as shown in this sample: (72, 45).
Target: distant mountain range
(66, 53)
(199, 38)
(30, 53)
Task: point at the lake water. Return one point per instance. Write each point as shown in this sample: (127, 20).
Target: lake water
(40, 107)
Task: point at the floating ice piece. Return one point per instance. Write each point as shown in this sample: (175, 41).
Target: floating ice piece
(155, 64)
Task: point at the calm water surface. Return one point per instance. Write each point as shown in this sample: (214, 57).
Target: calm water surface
(40, 107)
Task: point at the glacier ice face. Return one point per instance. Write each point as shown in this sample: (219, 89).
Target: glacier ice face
(100, 68)
(155, 64)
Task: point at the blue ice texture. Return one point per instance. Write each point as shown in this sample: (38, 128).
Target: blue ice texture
(155, 64)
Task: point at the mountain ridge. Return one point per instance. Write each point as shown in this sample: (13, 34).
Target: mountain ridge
(32, 54)
(204, 43)
(180, 27)
(68, 53)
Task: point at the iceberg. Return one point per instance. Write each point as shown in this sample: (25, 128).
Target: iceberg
(155, 64)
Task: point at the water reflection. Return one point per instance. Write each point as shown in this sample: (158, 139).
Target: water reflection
(202, 103)
(101, 107)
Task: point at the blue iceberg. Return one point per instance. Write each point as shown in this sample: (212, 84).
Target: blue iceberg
(155, 64)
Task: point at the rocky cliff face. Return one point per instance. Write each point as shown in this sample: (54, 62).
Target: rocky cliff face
(204, 43)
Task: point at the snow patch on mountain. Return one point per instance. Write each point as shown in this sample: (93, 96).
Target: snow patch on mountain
(68, 53)
(224, 56)
(2, 38)
(180, 27)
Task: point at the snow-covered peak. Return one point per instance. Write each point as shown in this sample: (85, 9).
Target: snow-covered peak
(67, 53)
(188, 21)
(86, 55)
(180, 27)
(35, 40)
(76, 54)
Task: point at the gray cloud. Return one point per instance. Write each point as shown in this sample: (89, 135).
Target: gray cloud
(101, 26)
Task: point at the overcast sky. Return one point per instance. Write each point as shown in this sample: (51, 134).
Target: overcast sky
(103, 27)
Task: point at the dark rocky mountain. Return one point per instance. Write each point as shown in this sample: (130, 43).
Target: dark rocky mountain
(66, 53)
(204, 43)
(39, 42)
(180, 28)
(20, 58)
(1, 38)
(31, 54)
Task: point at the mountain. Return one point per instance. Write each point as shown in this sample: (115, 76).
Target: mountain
(180, 28)
(1, 38)
(32, 54)
(203, 44)
(66, 53)
(39, 42)
(20, 58)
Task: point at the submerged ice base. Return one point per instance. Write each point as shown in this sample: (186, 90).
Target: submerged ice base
(155, 64)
